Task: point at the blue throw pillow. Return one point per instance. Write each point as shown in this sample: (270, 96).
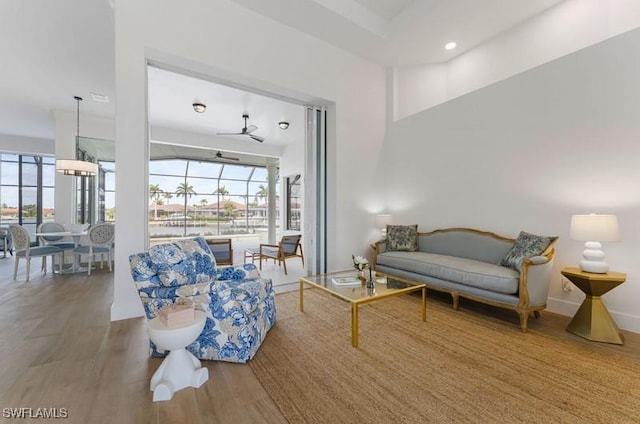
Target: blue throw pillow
(526, 246)
(183, 262)
(402, 238)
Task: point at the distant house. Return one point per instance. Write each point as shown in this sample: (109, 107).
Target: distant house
(9, 212)
(165, 211)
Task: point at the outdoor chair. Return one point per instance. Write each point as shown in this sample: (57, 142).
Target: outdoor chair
(100, 243)
(288, 247)
(22, 246)
(222, 251)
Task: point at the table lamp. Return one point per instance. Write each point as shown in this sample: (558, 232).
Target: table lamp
(382, 220)
(594, 229)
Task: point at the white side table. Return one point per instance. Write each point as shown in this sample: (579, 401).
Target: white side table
(180, 368)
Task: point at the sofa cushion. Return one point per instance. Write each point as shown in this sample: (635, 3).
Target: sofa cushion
(183, 262)
(402, 238)
(465, 271)
(526, 246)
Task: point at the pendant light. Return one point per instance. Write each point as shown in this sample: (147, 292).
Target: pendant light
(76, 167)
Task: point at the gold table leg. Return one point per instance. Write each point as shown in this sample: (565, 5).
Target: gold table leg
(301, 296)
(424, 303)
(354, 324)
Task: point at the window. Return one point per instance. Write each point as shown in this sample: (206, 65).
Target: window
(189, 197)
(293, 202)
(107, 191)
(26, 190)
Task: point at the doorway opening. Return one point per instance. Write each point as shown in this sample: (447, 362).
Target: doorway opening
(225, 181)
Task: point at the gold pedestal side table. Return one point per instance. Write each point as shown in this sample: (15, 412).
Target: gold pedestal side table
(592, 321)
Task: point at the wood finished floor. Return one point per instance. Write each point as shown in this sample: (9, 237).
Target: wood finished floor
(59, 349)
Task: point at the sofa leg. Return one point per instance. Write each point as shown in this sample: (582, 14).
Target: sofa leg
(456, 300)
(536, 314)
(524, 317)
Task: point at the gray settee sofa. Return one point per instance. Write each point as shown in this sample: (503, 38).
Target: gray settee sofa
(466, 263)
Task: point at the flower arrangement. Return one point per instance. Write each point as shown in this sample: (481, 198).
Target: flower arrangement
(359, 262)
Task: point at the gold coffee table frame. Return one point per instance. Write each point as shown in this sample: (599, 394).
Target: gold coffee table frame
(385, 287)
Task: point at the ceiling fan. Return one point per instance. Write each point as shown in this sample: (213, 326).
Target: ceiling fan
(247, 130)
(219, 155)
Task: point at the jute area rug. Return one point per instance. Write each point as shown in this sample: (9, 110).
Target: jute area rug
(458, 367)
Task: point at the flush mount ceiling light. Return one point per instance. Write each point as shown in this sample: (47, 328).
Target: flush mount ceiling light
(199, 107)
(450, 45)
(283, 125)
(76, 167)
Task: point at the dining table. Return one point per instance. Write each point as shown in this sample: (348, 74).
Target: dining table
(75, 235)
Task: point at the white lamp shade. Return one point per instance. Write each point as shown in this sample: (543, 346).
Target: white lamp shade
(382, 220)
(594, 227)
(75, 167)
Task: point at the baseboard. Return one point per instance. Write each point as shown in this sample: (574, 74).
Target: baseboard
(625, 321)
(286, 287)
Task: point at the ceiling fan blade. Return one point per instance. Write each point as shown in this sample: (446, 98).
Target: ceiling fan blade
(246, 130)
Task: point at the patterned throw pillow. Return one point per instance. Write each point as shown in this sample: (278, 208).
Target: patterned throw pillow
(526, 246)
(183, 262)
(402, 237)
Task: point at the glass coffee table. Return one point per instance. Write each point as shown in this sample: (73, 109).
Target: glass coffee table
(385, 287)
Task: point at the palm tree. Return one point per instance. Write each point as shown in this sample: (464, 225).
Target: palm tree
(222, 191)
(230, 210)
(185, 189)
(154, 193)
(263, 192)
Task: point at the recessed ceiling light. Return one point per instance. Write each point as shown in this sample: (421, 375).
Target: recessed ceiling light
(283, 125)
(450, 45)
(199, 107)
(101, 98)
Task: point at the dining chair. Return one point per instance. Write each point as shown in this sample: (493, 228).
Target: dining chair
(58, 241)
(7, 245)
(100, 243)
(22, 246)
(287, 248)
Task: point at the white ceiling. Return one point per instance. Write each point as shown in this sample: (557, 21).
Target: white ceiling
(53, 50)
(171, 96)
(386, 9)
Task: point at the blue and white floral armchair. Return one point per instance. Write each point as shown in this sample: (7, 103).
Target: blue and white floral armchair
(239, 304)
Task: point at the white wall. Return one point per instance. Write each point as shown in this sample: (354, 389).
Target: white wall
(235, 44)
(292, 163)
(26, 145)
(527, 153)
(418, 87)
(565, 28)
